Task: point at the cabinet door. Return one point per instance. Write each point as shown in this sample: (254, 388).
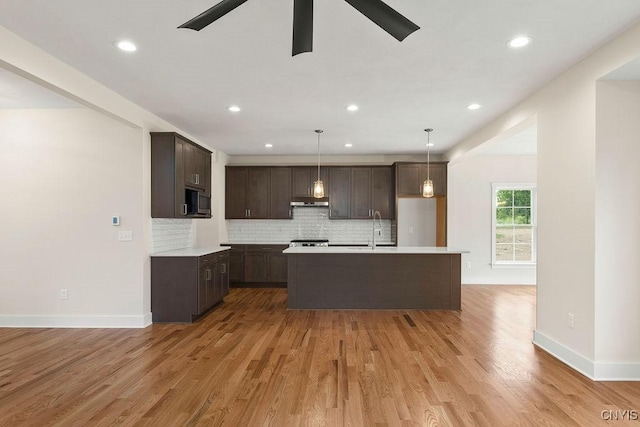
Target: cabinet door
(409, 179)
(276, 268)
(258, 193)
(301, 182)
(205, 171)
(280, 200)
(236, 182)
(361, 207)
(224, 278)
(382, 192)
(236, 267)
(180, 202)
(216, 284)
(203, 286)
(340, 189)
(255, 267)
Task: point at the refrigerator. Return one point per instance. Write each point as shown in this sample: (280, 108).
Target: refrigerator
(416, 222)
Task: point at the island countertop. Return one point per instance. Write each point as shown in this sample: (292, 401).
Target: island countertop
(378, 250)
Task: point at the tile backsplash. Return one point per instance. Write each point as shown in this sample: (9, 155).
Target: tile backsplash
(171, 234)
(307, 223)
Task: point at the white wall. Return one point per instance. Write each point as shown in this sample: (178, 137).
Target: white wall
(470, 214)
(26, 60)
(63, 174)
(566, 121)
(617, 223)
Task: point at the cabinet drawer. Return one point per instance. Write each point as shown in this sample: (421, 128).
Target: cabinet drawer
(223, 256)
(208, 259)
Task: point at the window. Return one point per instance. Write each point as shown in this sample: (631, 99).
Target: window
(514, 225)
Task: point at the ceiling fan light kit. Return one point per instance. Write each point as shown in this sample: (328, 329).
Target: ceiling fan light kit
(377, 11)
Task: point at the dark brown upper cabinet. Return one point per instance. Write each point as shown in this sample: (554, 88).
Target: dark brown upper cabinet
(383, 191)
(410, 177)
(340, 190)
(280, 200)
(372, 190)
(303, 178)
(257, 192)
(361, 193)
(197, 167)
(177, 164)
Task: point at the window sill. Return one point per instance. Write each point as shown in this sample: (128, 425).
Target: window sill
(513, 265)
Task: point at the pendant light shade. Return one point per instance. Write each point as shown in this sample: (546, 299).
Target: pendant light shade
(427, 185)
(427, 188)
(318, 186)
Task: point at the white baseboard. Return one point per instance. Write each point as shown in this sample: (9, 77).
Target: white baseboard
(596, 371)
(75, 321)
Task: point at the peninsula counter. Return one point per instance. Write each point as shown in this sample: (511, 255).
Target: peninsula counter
(381, 278)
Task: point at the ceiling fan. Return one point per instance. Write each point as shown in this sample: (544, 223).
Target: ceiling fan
(376, 10)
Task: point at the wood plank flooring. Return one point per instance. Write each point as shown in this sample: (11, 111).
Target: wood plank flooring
(251, 362)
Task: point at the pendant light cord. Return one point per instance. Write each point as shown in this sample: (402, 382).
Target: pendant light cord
(428, 149)
(319, 132)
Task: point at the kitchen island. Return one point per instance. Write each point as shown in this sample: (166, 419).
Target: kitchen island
(380, 278)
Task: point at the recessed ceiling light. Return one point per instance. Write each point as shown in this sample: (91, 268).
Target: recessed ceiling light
(352, 108)
(268, 145)
(520, 41)
(474, 106)
(125, 45)
(430, 144)
(233, 108)
(348, 145)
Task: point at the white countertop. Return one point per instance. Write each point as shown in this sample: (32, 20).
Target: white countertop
(190, 252)
(378, 250)
(256, 243)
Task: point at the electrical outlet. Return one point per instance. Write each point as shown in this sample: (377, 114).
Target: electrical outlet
(570, 321)
(64, 294)
(468, 264)
(410, 230)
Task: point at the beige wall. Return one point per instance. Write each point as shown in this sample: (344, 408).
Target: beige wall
(470, 213)
(63, 175)
(110, 111)
(617, 334)
(565, 111)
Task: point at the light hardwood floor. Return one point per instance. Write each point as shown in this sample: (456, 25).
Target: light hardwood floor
(251, 362)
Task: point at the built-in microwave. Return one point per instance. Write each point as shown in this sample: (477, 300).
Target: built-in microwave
(197, 203)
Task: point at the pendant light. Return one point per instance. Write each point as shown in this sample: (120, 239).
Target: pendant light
(318, 186)
(427, 185)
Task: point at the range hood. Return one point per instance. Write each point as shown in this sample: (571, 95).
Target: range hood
(309, 202)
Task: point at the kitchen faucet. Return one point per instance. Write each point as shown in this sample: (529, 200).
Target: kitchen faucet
(374, 229)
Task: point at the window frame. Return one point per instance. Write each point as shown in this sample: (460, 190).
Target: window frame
(495, 187)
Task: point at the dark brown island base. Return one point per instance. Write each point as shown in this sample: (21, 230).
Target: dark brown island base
(425, 278)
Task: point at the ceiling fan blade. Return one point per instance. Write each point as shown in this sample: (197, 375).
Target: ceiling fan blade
(212, 14)
(302, 26)
(385, 17)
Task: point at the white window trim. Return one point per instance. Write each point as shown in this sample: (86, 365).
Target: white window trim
(534, 223)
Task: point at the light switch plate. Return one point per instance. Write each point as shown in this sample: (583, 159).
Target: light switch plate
(125, 236)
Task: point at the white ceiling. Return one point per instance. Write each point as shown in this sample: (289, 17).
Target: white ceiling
(459, 56)
(629, 71)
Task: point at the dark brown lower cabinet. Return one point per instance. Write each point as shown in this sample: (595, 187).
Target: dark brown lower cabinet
(185, 287)
(258, 264)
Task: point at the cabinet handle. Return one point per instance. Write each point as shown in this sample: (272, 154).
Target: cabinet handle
(246, 213)
(289, 213)
(208, 275)
(224, 268)
(184, 209)
(197, 179)
(249, 212)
